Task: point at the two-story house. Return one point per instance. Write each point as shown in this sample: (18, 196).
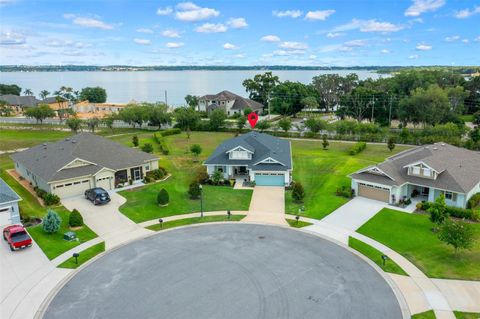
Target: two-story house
(230, 102)
(254, 157)
(423, 173)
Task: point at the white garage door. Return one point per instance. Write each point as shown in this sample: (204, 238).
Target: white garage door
(5, 216)
(104, 182)
(72, 188)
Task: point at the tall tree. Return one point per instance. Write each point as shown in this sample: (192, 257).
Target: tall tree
(43, 94)
(285, 124)
(74, 124)
(287, 97)
(330, 88)
(192, 101)
(28, 92)
(40, 113)
(94, 94)
(456, 97)
(10, 89)
(217, 119)
(260, 87)
(187, 119)
(93, 123)
(157, 114)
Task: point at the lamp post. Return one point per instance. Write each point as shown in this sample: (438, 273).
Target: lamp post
(76, 255)
(201, 201)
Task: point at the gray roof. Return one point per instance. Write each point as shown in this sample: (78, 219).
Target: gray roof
(7, 194)
(239, 104)
(459, 168)
(51, 99)
(47, 159)
(262, 145)
(26, 101)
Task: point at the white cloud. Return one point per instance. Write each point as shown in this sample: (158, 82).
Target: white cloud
(190, 12)
(11, 38)
(6, 2)
(142, 41)
(465, 41)
(237, 23)
(291, 45)
(56, 43)
(312, 56)
(453, 38)
(171, 33)
(334, 34)
(211, 28)
(423, 47)
(321, 15)
(466, 13)
(145, 30)
(229, 46)
(287, 13)
(239, 56)
(421, 6)
(413, 57)
(356, 43)
(174, 45)
(288, 52)
(385, 51)
(164, 11)
(477, 39)
(368, 26)
(88, 22)
(270, 38)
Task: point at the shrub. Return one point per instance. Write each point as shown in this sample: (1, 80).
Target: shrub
(51, 222)
(51, 199)
(156, 138)
(344, 192)
(147, 179)
(194, 190)
(438, 211)
(163, 198)
(217, 177)
(171, 131)
(75, 219)
(454, 211)
(474, 201)
(298, 193)
(458, 234)
(147, 148)
(135, 140)
(156, 174)
(202, 175)
(357, 148)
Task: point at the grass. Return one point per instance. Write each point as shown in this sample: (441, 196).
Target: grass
(411, 235)
(297, 224)
(425, 315)
(141, 203)
(322, 171)
(375, 256)
(14, 139)
(85, 255)
(466, 315)
(195, 220)
(53, 245)
(467, 117)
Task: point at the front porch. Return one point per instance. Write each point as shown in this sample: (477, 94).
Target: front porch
(123, 176)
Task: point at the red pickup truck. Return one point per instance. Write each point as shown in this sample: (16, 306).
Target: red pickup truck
(16, 237)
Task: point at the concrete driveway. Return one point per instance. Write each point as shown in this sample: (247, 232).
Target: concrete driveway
(267, 205)
(106, 220)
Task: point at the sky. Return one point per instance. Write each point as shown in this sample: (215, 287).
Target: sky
(246, 32)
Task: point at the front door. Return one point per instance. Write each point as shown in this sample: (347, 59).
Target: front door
(137, 173)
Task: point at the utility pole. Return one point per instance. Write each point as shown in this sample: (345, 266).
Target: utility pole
(390, 113)
(166, 99)
(373, 107)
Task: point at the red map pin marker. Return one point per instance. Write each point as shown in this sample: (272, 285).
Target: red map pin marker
(252, 119)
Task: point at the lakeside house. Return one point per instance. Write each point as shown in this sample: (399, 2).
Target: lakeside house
(9, 212)
(230, 102)
(71, 166)
(253, 157)
(422, 173)
(86, 110)
(20, 103)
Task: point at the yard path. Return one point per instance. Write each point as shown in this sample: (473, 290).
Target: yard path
(267, 206)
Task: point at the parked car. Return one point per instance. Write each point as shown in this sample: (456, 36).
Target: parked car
(17, 237)
(97, 196)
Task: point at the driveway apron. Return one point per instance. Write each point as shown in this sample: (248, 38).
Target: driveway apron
(267, 206)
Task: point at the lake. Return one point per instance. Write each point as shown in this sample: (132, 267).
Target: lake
(150, 86)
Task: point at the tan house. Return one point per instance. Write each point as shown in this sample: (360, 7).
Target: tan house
(230, 102)
(54, 104)
(86, 110)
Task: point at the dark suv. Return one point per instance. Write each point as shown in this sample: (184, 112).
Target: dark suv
(97, 196)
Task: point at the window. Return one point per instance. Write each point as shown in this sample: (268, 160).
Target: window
(451, 196)
(416, 170)
(147, 167)
(427, 172)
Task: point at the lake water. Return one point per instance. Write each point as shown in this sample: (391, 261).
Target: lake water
(150, 86)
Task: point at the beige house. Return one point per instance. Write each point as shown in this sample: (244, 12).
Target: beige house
(71, 166)
(230, 102)
(86, 110)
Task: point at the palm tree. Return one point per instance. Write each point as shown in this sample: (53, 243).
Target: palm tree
(43, 94)
(28, 92)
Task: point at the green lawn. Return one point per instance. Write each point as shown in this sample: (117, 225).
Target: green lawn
(425, 315)
(299, 224)
(54, 245)
(85, 255)
(375, 256)
(195, 220)
(322, 171)
(467, 117)
(466, 315)
(411, 235)
(14, 139)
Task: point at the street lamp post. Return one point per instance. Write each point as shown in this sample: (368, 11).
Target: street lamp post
(201, 201)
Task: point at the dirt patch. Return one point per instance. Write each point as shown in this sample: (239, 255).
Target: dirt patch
(26, 184)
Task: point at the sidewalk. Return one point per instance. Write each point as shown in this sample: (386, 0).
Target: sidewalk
(191, 215)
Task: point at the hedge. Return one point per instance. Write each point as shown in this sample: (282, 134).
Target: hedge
(171, 131)
(48, 198)
(457, 212)
(474, 201)
(357, 148)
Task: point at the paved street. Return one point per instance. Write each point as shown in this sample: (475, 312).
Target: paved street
(228, 271)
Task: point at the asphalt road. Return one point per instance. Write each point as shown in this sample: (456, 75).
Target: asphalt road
(227, 271)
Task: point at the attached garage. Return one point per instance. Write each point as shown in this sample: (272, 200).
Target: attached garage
(374, 192)
(6, 216)
(104, 182)
(72, 188)
(269, 179)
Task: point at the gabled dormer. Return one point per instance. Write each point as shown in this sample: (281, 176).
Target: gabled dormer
(239, 153)
(269, 160)
(375, 170)
(421, 169)
(78, 162)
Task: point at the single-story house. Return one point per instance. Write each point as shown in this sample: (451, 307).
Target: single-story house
(255, 157)
(422, 173)
(54, 104)
(85, 109)
(230, 102)
(19, 103)
(9, 212)
(71, 166)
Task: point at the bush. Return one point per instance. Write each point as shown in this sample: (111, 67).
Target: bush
(357, 148)
(458, 234)
(147, 179)
(163, 198)
(202, 175)
(194, 190)
(51, 199)
(344, 192)
(171, 131)
(51, 222)
(135, 140)
(474, 201)
(298, 193)
(75, 219)
(457, 212)
(156, 174)
(147, 148)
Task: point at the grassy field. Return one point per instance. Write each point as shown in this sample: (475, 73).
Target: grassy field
(85, 255)
(467, 117)
(375, 256)
(195, 220)
(54, 245)
(425, 315)
(411, 235)
(14, 139)
(322, 171)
